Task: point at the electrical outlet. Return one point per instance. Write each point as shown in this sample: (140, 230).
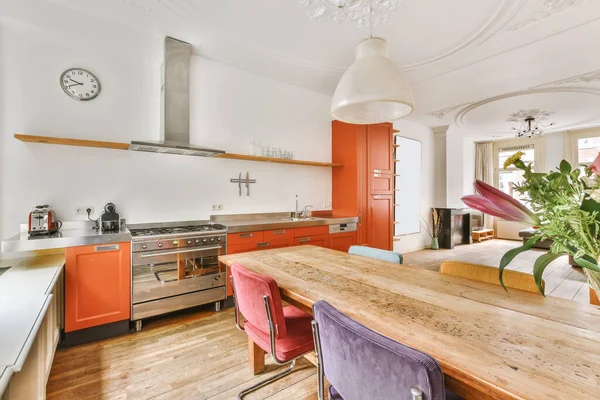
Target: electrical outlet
(81, 210)
(217, 207)
(326, 204)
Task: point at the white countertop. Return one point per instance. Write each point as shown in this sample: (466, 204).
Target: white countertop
(24, 298)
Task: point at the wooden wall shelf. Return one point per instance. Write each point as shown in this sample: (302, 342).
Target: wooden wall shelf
(125, 146)
(246, 157)
(71, 142)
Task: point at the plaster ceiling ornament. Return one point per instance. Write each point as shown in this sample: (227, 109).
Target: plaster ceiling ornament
(533, 113)
(590, 77)
(355, 11)
(548, 9)
(442, 113)
(575, 107)
(140, 4)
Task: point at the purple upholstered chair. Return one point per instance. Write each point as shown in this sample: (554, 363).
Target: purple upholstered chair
(362, 364)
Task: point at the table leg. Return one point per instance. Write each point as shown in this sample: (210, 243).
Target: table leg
(256, 357)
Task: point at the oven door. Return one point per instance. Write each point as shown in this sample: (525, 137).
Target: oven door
(165, 273)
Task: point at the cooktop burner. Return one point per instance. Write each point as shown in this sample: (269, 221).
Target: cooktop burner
(173, 230)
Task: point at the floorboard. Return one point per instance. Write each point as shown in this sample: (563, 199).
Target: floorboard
(562, 280)
(194, 355)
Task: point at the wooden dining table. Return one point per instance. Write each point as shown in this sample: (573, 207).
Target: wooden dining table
(490, 343)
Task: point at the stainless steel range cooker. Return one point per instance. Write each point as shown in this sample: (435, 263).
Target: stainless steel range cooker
(175, 266)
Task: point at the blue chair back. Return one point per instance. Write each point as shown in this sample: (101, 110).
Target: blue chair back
(362, 364)
(379, 254)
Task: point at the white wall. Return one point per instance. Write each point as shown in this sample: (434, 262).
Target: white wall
(468, 166)
(460, 165)
(555, 145)
(417, 131)
(229, 106)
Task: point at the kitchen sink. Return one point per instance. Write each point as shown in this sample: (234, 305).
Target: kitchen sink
(3, 270)
(294, 219)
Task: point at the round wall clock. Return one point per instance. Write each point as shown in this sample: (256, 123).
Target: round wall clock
(80, 84)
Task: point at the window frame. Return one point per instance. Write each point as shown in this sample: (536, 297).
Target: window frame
(538, 145)
(571, 151)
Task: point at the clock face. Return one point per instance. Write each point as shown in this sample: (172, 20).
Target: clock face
(80, 84)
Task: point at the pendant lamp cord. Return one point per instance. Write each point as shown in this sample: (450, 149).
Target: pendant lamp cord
(371, 19)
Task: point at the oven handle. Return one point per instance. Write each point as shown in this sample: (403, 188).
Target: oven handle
(168, 253)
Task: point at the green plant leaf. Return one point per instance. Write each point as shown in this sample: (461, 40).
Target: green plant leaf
(540, 265)
(565, 167)
(587, 264)
(511, 254)
(590, 206)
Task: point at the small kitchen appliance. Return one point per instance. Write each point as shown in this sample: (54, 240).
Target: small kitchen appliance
(109, 219)
(175, 266)
(42, 221)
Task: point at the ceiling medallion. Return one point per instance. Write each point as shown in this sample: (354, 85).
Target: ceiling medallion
(355, 11)
(535, 113)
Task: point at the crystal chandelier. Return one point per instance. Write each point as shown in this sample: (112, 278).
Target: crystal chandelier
(356, 11)
(530, 128)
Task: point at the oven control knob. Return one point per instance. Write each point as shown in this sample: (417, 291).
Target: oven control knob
(212, 239)
(189, 242)
(197, 240)
(204, 240)
(160, 245)
(144, 246)
(219, 239)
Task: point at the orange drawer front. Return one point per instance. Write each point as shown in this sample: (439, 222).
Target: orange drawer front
(315, 240)
(245, 237)
(311, 230)
(279, 236)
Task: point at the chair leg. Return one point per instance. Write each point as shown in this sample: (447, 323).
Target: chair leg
(267, 381)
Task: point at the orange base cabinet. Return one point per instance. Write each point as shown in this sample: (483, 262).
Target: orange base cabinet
(342, 241)
(97, 285)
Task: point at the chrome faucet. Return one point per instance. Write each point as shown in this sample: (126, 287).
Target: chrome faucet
(303, 213)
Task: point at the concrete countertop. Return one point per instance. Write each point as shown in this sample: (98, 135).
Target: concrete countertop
(261, 222)
(63, 238)
(24, 298)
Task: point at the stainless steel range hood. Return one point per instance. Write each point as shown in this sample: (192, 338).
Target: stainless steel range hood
(175, 106)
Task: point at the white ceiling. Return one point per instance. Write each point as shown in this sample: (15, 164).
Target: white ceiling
(472, 63)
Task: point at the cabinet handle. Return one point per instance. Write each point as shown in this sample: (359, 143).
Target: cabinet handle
(377, 175)
(304, 239)
(265, 244)
(110, 247)
(279, 232)
(377, 170)
(360, 219)
(377, 197)
(245, 235)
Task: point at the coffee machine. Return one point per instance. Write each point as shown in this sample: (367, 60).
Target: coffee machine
(109, 219)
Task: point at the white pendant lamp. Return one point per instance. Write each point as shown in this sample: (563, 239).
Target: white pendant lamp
(373, 89)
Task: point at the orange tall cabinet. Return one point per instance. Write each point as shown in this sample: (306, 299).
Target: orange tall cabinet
(97, 285)
(364, 185)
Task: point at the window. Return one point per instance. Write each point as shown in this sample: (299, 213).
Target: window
(506, 179)
(587, 150)
(407, 186)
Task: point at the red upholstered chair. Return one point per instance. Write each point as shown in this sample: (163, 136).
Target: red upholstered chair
(283, 332)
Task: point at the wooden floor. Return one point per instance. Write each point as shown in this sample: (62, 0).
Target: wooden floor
(562, 280)
(198, 355)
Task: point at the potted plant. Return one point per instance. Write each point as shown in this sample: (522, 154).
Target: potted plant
(563, 205)
(433, 228)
